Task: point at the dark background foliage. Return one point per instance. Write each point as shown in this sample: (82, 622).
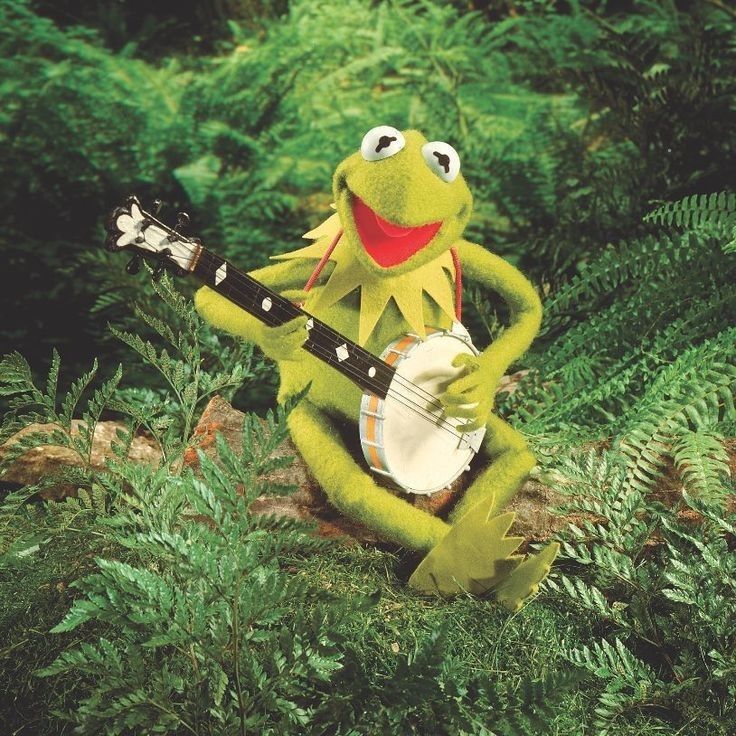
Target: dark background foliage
(570, 125)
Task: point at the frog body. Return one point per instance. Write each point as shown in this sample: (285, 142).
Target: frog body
(402, 204)
(330, 389)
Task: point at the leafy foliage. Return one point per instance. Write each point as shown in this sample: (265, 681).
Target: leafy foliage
(702, 462)
(201, 626)
(660, 582)
(210, 632)
(709, 211)
(39, 417)
(573, 122)
(189, 382)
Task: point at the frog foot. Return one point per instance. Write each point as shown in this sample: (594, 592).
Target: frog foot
(476, 557)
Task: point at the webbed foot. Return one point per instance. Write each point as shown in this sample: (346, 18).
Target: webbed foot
(476, 557)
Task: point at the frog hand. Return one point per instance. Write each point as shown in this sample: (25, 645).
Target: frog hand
(470, 395)
(284, 341)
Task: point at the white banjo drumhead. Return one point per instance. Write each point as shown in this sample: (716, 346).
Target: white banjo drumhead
(423, 450)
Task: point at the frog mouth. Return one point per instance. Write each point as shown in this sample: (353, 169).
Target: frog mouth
(385, 242)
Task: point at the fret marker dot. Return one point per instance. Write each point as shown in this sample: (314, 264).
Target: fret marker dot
(266, 304)
(310, 324)
(342, 352)
(371, 371)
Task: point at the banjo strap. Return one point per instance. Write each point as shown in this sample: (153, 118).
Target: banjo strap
(458, 285)
(326, 257)
(455, 261)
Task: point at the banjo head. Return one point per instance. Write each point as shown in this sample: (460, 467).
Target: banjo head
(406, 437)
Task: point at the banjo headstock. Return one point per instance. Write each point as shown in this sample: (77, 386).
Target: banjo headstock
(131, 228)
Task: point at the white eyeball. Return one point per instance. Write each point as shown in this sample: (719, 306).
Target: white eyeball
(442, 158)
(381, 142)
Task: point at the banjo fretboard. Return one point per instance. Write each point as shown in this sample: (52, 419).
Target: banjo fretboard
(360, 366)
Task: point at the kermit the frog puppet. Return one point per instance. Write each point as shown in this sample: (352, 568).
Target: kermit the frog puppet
(402, 205)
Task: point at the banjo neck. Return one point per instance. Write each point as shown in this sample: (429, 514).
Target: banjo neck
(363, 368)
(133, 229)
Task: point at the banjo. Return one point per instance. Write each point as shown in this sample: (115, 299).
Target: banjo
(405, 435)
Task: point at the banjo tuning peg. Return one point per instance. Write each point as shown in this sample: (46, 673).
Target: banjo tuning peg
(161, 265)
(157, 204)
(134, 265)
(182, 221)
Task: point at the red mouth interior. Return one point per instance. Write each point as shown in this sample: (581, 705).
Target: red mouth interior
(388, 244)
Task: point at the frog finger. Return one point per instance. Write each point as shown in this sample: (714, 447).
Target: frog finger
(286, 341)
(463, 411)
(464, 384)
(293, 325)
(458, 399)
(471, 426)
(283, 341)
(467, 361)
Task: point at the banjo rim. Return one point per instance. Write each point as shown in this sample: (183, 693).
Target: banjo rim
(373, 417)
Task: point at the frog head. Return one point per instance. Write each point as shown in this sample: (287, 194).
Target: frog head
(401, 199)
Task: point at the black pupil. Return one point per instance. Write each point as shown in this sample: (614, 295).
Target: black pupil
(384, 142)
(443, 159)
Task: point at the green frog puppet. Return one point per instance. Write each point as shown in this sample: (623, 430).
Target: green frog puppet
(389, 258)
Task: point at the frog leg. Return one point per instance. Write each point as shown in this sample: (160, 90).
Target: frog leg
(477, 555)
(352, 490)
(511, 462)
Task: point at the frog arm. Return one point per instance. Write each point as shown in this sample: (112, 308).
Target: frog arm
(223, 314)
(494, 272)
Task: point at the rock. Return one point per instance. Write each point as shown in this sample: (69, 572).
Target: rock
(510, 382)
(534, 521)
(47, 460)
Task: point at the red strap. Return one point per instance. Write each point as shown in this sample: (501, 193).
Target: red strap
(326, 257)
(458, 285)
(455, 260)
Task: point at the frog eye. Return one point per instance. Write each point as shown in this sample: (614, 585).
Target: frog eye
(381, 142)
(442, 158)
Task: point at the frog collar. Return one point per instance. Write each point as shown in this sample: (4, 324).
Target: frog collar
(377, 289)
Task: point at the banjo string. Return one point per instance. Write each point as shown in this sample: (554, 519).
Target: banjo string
(338, 339)
(403, 399)
(413, 406)
(400, 397)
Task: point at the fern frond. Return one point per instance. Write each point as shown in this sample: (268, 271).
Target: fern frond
(697, 211)
(702, 462)
(630, 681)
(627, 264)
(693, 405)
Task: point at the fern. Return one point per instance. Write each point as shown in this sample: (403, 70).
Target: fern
(703, 463)
(630, 681)
(183, 371)
(31, 406)
(698, 211)
(658, 587)
(695, 392)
